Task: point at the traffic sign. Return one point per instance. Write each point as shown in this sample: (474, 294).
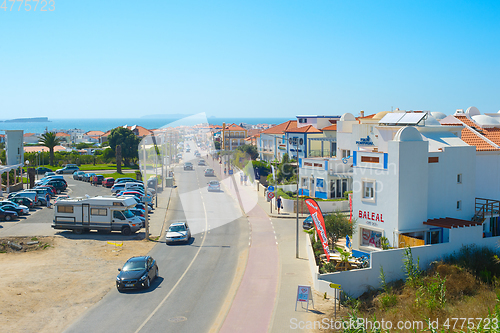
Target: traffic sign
(334, 286)
(270, 188)
(270, 195)
(231, 171)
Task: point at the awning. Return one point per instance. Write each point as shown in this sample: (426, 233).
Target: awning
(7, 168)
(450, 223)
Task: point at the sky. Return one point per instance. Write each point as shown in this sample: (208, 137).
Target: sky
(280, 58)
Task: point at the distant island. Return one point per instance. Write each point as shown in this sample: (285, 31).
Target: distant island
(29, 120)
(166, 116)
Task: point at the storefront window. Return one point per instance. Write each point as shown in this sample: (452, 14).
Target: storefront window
(370, 237)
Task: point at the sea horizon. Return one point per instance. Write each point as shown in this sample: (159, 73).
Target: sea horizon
(105, 124)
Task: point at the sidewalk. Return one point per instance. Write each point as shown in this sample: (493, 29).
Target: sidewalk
(292, 271)
(157, 218)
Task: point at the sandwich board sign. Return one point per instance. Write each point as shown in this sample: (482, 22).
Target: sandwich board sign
(304, 294)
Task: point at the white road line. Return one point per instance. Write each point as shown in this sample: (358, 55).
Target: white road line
(182, 276)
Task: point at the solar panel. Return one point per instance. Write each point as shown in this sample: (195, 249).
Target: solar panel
(411, 118)
(391, 118)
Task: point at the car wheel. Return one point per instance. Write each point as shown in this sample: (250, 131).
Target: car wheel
(126, 231)
(86, 230)
(8, 218)
(58, 191)
(77, 231)
(148, 283)
(39, 203)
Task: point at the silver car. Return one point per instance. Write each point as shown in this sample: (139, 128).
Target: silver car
(178, 232)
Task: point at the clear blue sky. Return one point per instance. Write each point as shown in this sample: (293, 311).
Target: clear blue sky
(248, 58)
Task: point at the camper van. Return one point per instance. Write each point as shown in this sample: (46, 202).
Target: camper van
(97, 213)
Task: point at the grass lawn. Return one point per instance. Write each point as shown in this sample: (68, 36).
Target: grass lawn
(90, 167)
(117, 175)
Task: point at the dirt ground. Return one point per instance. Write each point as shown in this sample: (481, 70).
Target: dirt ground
(46, 286)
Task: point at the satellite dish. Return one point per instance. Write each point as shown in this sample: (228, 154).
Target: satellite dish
(290, 140)
(301, 141)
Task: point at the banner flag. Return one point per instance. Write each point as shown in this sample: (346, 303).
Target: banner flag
(319, 223)
(350, 207)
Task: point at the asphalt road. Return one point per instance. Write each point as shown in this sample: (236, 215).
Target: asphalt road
(195, 278)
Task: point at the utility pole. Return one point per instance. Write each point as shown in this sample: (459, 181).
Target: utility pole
(297, 199)
(146, 206)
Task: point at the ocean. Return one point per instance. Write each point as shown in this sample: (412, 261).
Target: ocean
(105, 124)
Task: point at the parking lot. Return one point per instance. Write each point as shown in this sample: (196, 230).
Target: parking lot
(39, 220)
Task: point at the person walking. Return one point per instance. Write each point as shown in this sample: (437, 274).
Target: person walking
(241, 178)
(245, 178)
(94, 180)
(279, 203)
(47, 198)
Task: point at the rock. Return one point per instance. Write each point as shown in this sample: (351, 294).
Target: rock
(31, 243)
(15, 246)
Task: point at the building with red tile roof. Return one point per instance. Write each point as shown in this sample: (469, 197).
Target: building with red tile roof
(232, 136)
(271, 144)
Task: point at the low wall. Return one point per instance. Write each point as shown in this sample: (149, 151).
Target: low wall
(290, 187)
(333, 206)
(356, 282)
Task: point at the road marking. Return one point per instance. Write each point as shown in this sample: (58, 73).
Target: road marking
(182, 276)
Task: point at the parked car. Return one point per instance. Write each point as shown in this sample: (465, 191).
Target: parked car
(140, 205)
(49, 173)
(23, 201)
(19, 209)
(78, 175)
(68, 169)
(41, 191)
(61, 197)
(178, 232)
(108, 182)
(138, 272)
(32, 195)
(51, 188)
(209, 172)
(88, 177)
(100, 179)
(44, 179)
(59, 184)
(137, 212)
(42, 170)
(127, 180)
(214, 185)
(188, 166)
(7, 215)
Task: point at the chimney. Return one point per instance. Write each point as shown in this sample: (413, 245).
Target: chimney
(362, 113)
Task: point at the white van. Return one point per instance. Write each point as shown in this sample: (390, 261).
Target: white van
(133, 186)
(98, 213)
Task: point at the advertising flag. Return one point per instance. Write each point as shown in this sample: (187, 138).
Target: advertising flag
(319, 223)
(350, 207)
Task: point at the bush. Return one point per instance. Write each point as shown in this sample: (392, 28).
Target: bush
(480, 261)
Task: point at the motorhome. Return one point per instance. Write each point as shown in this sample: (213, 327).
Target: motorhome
(97, 213)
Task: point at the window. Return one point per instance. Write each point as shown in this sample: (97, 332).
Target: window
(459, 178)
(320, 182)
(65, 209)
(459, 204)
(346, 153)
(99, 211)
(369, 159)
(370, 238)
(434, 159)
(368, 189)
(302, 120)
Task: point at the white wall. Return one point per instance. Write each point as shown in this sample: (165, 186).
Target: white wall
(356, 282)
(488, 175)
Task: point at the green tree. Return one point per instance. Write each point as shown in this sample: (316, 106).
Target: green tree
(249, 150)
(337, 225)
(285, 170)
(128, 141)
(50, 140)
(217, 145)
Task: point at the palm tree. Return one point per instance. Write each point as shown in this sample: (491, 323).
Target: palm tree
(50, 140)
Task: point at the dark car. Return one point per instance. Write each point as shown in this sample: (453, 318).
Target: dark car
(7, 215)
(59, 184)
(23, 201)
(100, 179)
(188, 166)
(108, 182)
(14, 208)
(42, 170)
(138, 272)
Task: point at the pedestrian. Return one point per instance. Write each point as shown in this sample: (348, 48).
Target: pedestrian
(224, 171)
(95, 180)
(241, 178)
(279, 203)
(245, 178)
(47, 198)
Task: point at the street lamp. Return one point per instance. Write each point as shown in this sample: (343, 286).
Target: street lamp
(296, 141)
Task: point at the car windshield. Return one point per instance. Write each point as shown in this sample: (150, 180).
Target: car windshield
(134, 266)
(214, 182)
(176, 228)
(128, 213)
